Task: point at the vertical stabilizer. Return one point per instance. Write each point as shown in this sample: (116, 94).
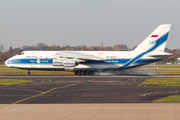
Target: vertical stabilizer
(156, 41)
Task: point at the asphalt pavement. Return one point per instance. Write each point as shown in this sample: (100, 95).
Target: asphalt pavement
(91, 89)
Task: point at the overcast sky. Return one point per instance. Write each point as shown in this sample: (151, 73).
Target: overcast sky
(86, 22)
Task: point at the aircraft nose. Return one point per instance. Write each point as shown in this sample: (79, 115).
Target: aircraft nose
(6, 62)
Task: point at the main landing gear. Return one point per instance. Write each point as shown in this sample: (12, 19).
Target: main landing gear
(84, 72)
(29, 73)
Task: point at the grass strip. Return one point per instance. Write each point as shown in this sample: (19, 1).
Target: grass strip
(172, 98)
(13, 81)
(162, 81)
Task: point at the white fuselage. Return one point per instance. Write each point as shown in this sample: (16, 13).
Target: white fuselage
(43, 60)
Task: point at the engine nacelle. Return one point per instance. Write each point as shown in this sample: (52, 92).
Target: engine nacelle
(69, 63)
(58, 62)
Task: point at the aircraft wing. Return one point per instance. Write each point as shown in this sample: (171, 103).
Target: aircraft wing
(72, 55)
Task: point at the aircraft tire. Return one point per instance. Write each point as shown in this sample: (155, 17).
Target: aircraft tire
(92, 72)
(76, 72)
(88, 72)
(29, 73)
(80, 72)
(84, 72)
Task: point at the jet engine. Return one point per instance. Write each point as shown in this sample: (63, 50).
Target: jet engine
(70, 63)
(58, 62)
(65, 62)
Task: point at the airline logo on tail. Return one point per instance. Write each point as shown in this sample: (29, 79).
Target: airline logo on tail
(152, 42)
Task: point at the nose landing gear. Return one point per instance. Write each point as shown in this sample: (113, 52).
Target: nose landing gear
(29, 73)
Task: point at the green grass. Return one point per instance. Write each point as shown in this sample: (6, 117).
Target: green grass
(172, 98)
(163, 69)
(162, 81)
(13, 81)
(4, 70)
(166, 69)
(170, 70)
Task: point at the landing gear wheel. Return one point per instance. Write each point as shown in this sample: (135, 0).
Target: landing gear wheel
(92, 72)
(84, 72)
(88, 72)
(29, 73)
(80, 72)
(76, 72)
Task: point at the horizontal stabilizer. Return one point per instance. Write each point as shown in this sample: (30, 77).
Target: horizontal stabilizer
(159, 54)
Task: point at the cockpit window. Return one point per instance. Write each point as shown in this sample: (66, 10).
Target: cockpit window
(22, 53)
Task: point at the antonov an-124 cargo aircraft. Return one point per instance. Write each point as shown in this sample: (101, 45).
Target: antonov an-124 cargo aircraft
(87, 62)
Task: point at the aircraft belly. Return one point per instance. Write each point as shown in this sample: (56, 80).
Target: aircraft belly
(98, 66)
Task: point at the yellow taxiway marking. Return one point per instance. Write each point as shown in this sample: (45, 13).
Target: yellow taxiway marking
(42, 93)
(22, 89)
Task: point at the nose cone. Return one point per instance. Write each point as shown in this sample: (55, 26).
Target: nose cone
(6, 62)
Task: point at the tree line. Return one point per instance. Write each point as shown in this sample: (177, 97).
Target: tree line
(5, 54)
(43, 46)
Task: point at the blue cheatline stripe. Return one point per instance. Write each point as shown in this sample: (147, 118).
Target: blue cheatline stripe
(50, 61)
(159, 42)
(116, 60)
(27, 61)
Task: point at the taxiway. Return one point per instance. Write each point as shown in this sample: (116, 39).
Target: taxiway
(48, 89)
